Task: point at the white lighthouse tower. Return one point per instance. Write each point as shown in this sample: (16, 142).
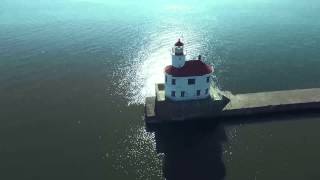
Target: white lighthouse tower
(186, 80)
(178, 55)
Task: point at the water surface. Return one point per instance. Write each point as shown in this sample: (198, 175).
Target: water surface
(74, 75)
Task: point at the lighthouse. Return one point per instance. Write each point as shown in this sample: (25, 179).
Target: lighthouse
(186, 79)
(185, 96)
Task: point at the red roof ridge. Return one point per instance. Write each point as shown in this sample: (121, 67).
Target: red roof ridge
(190, 68)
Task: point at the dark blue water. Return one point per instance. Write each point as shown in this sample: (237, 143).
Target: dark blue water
(74, 75)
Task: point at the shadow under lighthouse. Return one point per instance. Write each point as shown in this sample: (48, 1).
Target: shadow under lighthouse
(191, 150)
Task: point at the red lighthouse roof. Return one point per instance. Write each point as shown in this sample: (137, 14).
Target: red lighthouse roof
(178, 43)
(190, 68)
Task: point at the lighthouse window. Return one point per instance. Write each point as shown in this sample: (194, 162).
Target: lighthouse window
(198, 92)
(173, 81)
(166, 79)
(207, 79)
(173, 93)
(182, 93)
(191, 81)
(207, 91)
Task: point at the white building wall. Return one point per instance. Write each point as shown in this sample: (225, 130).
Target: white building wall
(190, 90)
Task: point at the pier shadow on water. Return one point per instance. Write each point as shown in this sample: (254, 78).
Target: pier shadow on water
(191, 150)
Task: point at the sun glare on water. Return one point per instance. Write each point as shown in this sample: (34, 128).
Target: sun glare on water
(152, 61)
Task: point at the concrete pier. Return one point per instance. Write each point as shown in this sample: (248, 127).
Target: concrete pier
(222, 104)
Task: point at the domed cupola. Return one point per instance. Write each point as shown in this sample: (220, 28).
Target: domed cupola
(179, 43)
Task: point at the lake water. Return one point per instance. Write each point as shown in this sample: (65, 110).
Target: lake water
(74, 75)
